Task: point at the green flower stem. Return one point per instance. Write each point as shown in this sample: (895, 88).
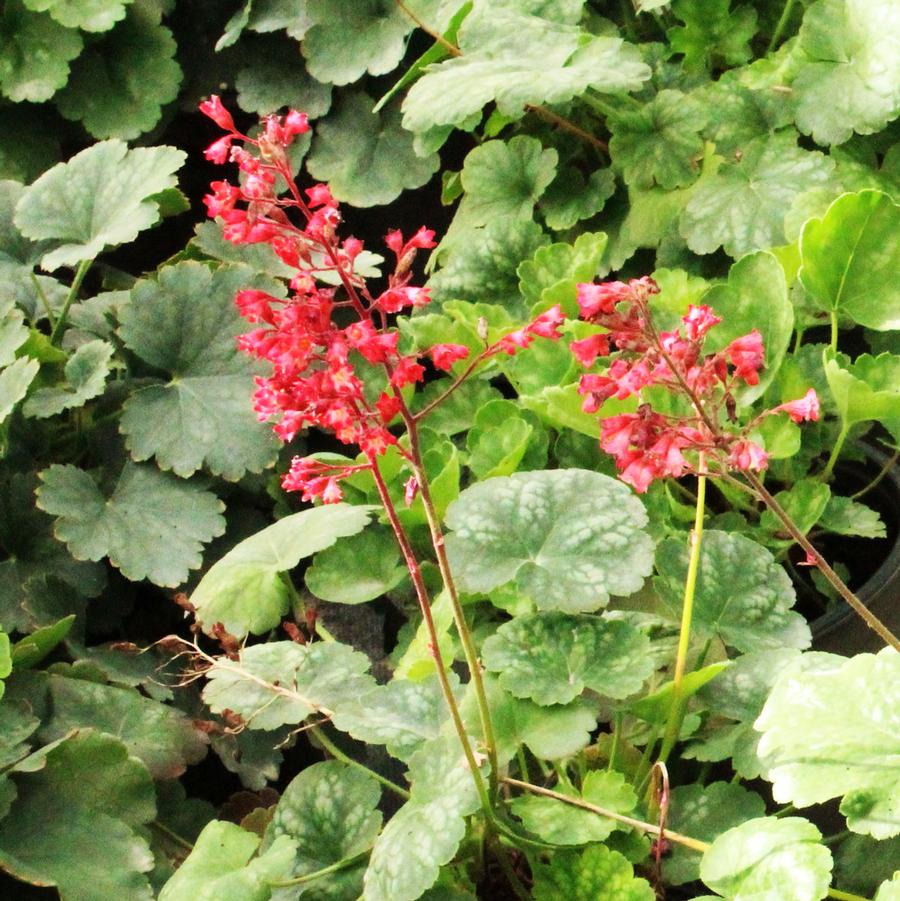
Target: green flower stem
(335, 867)
(833, 578)
(835, 452)
(616, 739)
(834, 330)
(679, 701)
(59, 325)
(782, 24)
(43, 299)
(338, 754)
(173, 837)
(459, 616)
(844, 896)
(888, 466)
(415, 572)
(600, 106)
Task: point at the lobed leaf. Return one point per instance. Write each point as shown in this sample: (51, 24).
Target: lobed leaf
(594, 874)
(86, 372)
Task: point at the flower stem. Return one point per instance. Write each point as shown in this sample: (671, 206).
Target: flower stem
(835, 452)
(318, 874)
(679, 702)
(844, 896)
(888, 466)
(782, 24)
(834, 331)
(59, 325)
(833, 578)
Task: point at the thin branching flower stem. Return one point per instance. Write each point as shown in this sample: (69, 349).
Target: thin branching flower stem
(335, 867)
(60, 324)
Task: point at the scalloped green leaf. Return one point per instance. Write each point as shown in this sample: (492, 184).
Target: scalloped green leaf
(831, 727)
(845, 516)
(552, 658)
(5, 660)
(850, 257)
(14, 382)
(185, 323)
(562, 824)
(849, 69)
(711, 33)
(866, 389)
(889, 891)
(329, 812)
(88, 15)
(269, 85)
(35, 53)
(594, 874)
(222, 867)
(366, 157)
(769, 860)
(516, 58)
(569, 198)
(742, 207)
(567, 538)
(101, 197)
(742, 596)
(150, 524)
(282, 683)
(82, 803)
(245, 590)
(85, 373)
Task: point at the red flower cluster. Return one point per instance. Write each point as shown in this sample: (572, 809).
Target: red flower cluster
(315, 379)
(648, 445)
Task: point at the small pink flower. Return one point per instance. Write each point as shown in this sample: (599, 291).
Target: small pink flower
(296, 123)
(218, 151)
(320, 195)
(596, 299)
(747, 355)
(547, 324)
(587, 350)
(407, 371)
(410, 490)
(805, 408)
(214, 109)
(747, 455)
(698, 321)
(445, 355)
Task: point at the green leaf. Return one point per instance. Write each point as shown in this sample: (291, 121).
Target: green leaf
(35, 53)
(245, 591)
(99, 198)
(88, 15)
(849, 71)
(32, 649)
(849, 256)
(742, 595)
(329, 814)
(6, 661)
(769, 860)
(349, 39)
(654, 707)
(705, 812)
(151, 525)
(269, 85)
(86, 372)
(185, 324)
(659, 143)
(866, 389)
(569, 198)
(401, 715)
(357, 569)
(569, 538)
(553, 657)
(711, 33)
(844, 516)
(742, 207)
(562, 824)
(83, 803)
(515, 59)
(14, 382)
(594, 874)
(830, 728)
(366, 157)
(889, 891)
(282, 683)
(755, 297)
(222, 867)
(805, 502)
(119, 86)
(443, 793)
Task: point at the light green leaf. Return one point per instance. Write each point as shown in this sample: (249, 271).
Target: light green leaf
(594, 874)
(742, 207)
(269, 85)
(661, 142)
(401, 715)
(99, 198)
(569, 198)
(282, 683)
(742, 595)
(831, 727)
(654, 707)
(705, 812)
(150, 525)
(562, 824)
(844, 516)
(32, 649)
(245, 591)
(889, 891)
(366, 157)
(805, 501)
(755, 297)
(5, 660)
(569, 538)
(222, 867)
(553, 657)
(417, 660)
(81, 804)
(769, 860)
(329, 813)
(866, 389)
(35, 53)
(119, 86)
(88, 15)
(14, 382)
(86, 372)
(849, 69)
(850, 256)
(349, 39)
(711, 33)
(185, 324)
(515, 59)
(273, 15)
(357, 569)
